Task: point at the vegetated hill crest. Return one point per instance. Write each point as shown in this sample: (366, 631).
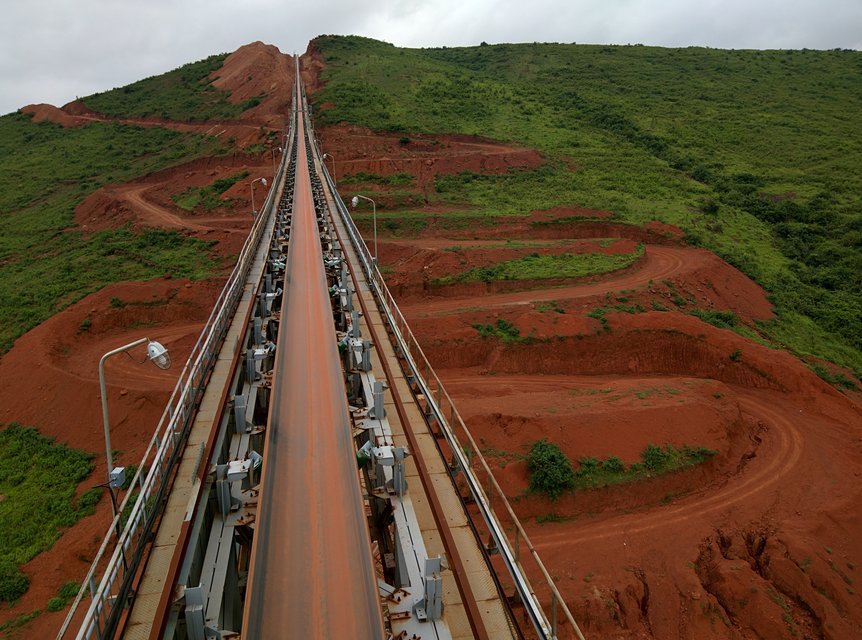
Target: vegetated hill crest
(754, 154)
(254, 83)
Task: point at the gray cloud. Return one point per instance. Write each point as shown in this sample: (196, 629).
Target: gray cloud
(55, 50)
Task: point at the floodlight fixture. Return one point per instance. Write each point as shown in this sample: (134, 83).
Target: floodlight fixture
(355, 202)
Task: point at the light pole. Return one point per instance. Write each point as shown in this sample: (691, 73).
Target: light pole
(262, 180)
(354, 203)
(272, 153)
(159, 356)
(334, 179)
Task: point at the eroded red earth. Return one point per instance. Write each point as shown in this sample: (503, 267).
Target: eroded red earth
(762, 541)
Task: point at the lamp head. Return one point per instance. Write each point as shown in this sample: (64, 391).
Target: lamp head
(263, 181)
(157, 353)
(354, 202)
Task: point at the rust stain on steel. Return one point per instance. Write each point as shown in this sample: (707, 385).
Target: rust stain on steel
(312, 573)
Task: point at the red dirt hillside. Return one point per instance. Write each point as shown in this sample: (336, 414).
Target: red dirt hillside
(258, 70)
(255, 70)
(54, 367)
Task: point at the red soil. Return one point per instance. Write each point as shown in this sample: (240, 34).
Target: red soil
(420, 264)
(259, 70)
(360, 150)
(56, 372)
(253, 70)
(71, 116)
(761, 541)
(147, 202)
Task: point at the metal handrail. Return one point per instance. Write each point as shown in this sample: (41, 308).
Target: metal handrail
(168, 439)
(467, 458)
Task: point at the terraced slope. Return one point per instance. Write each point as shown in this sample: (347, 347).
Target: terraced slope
(754, 154)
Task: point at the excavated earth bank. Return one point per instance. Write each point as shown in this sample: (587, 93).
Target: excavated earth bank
(760, 541)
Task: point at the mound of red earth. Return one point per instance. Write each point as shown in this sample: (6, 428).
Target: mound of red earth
(261, 71)
(256, 70)
(759, 541)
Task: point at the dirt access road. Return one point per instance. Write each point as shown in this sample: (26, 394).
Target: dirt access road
(760, 541)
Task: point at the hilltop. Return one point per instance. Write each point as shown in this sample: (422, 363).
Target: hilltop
(753, 154)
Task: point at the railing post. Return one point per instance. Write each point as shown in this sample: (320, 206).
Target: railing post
(554, 613)
(517, 544)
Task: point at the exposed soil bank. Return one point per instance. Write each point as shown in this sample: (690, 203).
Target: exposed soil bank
(760, 541)
(54, 375)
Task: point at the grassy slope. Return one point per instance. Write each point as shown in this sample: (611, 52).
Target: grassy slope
(45, 171)
(38, 480)
(756, 154)
(182, 94)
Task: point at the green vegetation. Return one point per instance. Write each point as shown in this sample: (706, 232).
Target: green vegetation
(554, 517)
(539, 267)
(592, 472)
(66, 594)
(38, 481)
(551, 305)
(599, 313)
(394, 180)
(13, 583)
(183, 94)
(720, 319)
(754, 154)
(45, 171)
(20, 621)
(550, 470)
(208, 197)
(838, 379)
(502, 330)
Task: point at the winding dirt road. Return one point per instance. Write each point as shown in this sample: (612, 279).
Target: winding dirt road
(151, 214)
(643, 562)
(660, 262)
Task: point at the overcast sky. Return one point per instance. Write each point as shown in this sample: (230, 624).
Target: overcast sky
(56, 50)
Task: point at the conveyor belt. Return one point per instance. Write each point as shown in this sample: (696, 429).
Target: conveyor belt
(312, 573)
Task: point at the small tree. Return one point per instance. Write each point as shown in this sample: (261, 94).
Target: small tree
(550, 469)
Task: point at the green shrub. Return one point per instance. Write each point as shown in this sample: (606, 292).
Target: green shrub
(67, 592)
(550, 470)
(39, 480)
(502, 329)
(655, 458)
(614, 465)
(56, 604)
(838, 379)
(720, 319)
(13, 583)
